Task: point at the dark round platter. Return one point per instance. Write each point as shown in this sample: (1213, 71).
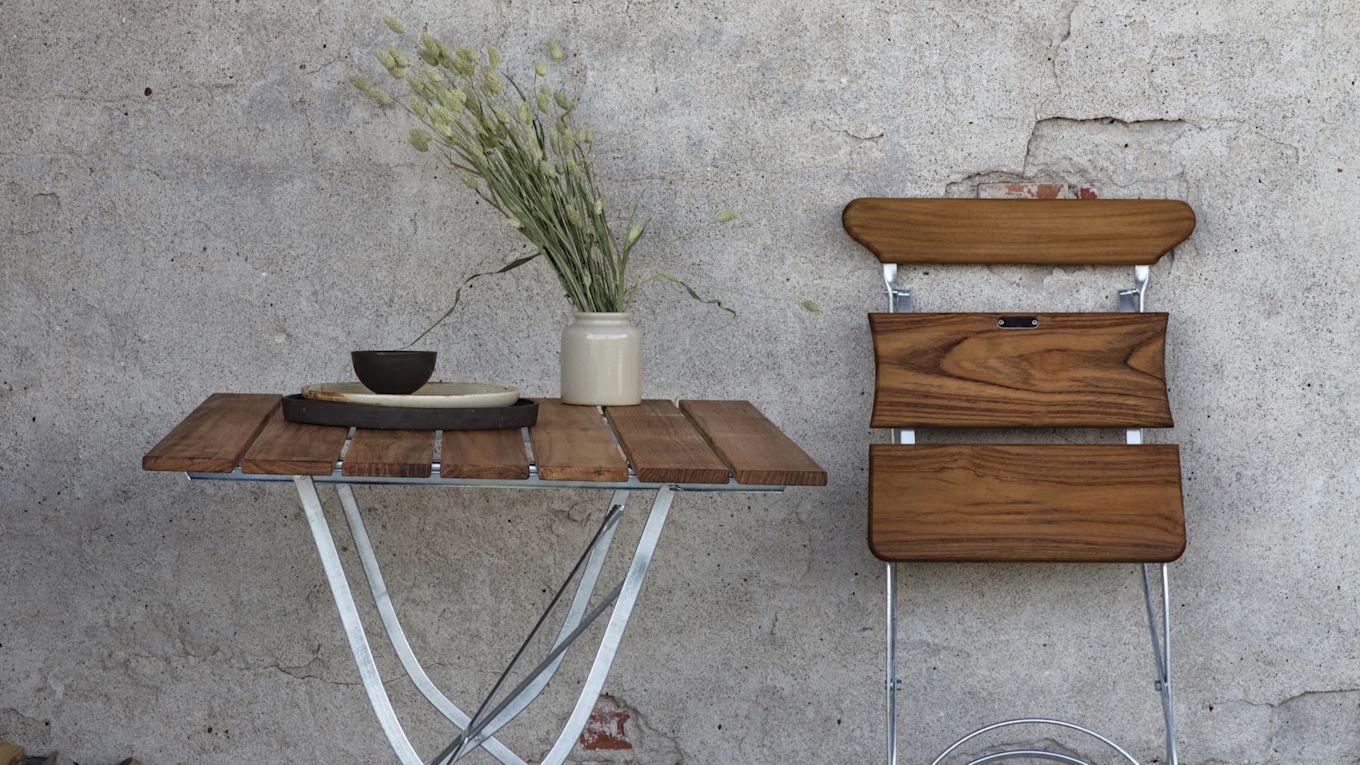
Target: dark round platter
(522, 414)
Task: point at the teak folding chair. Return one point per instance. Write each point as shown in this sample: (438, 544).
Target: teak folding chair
(1033, 502)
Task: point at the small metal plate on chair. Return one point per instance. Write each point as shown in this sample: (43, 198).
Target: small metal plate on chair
(522, 414)
(1018, 322)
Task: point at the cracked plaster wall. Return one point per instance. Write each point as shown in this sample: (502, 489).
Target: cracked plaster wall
(193, 200)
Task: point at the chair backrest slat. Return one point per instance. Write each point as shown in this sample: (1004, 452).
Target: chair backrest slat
(988, 370)
(1049, 232)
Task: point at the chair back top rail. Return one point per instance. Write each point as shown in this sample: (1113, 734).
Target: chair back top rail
(992, 370)
(1019, 231)
(660, 443)
(1109, 503)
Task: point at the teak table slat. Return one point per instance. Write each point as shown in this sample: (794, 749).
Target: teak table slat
(215, 435)
(391, 453)
(755, 449)
(572, 443)
(663, 445)
(289, 448)
(491, 454)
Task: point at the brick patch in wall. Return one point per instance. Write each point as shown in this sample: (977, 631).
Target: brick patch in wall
(615, 735)
(1027, 190)
(607, 728)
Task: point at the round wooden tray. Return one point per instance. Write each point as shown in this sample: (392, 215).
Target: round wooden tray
(522, 414)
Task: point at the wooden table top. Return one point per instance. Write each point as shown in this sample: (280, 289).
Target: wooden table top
(698, 442)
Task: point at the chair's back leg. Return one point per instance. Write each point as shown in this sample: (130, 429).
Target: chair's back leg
(893, 685)
(899, 301)
(1161, 656)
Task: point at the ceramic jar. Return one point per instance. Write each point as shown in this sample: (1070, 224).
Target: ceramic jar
(602, 360)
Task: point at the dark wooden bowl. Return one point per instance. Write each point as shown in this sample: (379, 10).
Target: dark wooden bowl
(398, 372)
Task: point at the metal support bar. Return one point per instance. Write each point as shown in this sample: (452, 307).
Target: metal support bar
(1161, 655)
(1027, 754)
(613, 635)
(893, 684)
(1131, 300)
(354, 628)
(475, 734)
(568, 633)
(533, 482)
(1034, 755)
(899, 301)
(397, 636)
(899, 298)
(482, 726)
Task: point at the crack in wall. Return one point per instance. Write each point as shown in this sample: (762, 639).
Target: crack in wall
(1309, 726)
(1041, 125)
(1066, 34)
(1033, 168)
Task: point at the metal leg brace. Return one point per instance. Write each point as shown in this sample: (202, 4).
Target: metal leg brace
(479, 729)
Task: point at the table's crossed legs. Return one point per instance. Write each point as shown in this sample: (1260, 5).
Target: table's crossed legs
(479, 729)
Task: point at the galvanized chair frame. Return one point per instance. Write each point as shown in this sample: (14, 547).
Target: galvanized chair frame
(900, 300)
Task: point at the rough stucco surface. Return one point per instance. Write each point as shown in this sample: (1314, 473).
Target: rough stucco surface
(194, 200)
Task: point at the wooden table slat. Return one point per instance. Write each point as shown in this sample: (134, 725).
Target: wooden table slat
(390, 453)
(215, 435)
(290, 448)
(663, 445)
(572, 443)
(701, 442)
(494, 454)
(757, 451)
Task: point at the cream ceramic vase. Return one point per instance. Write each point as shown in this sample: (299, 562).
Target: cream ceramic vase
(602, 360)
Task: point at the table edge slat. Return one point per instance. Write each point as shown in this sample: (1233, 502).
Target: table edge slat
(810, 474)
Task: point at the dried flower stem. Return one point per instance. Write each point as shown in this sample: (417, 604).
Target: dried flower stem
(522, 153)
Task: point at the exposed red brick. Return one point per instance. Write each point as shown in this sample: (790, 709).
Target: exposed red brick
(607, 727)
(1026, 190)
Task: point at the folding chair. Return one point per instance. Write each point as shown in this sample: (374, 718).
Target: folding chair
(1103, 503)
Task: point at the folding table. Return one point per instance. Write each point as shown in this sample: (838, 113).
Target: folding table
(700, 446)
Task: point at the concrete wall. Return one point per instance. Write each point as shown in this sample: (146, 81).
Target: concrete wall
(195, 200)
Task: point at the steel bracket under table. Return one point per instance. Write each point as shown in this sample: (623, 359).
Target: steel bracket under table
(478, 730)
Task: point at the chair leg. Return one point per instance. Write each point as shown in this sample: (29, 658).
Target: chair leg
(1161, 655)
(1159, 629)
(892, 684)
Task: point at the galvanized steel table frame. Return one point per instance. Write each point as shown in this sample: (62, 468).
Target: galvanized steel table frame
(478, 730)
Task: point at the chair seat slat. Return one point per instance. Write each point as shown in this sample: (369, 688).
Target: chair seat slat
(1023, 502)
